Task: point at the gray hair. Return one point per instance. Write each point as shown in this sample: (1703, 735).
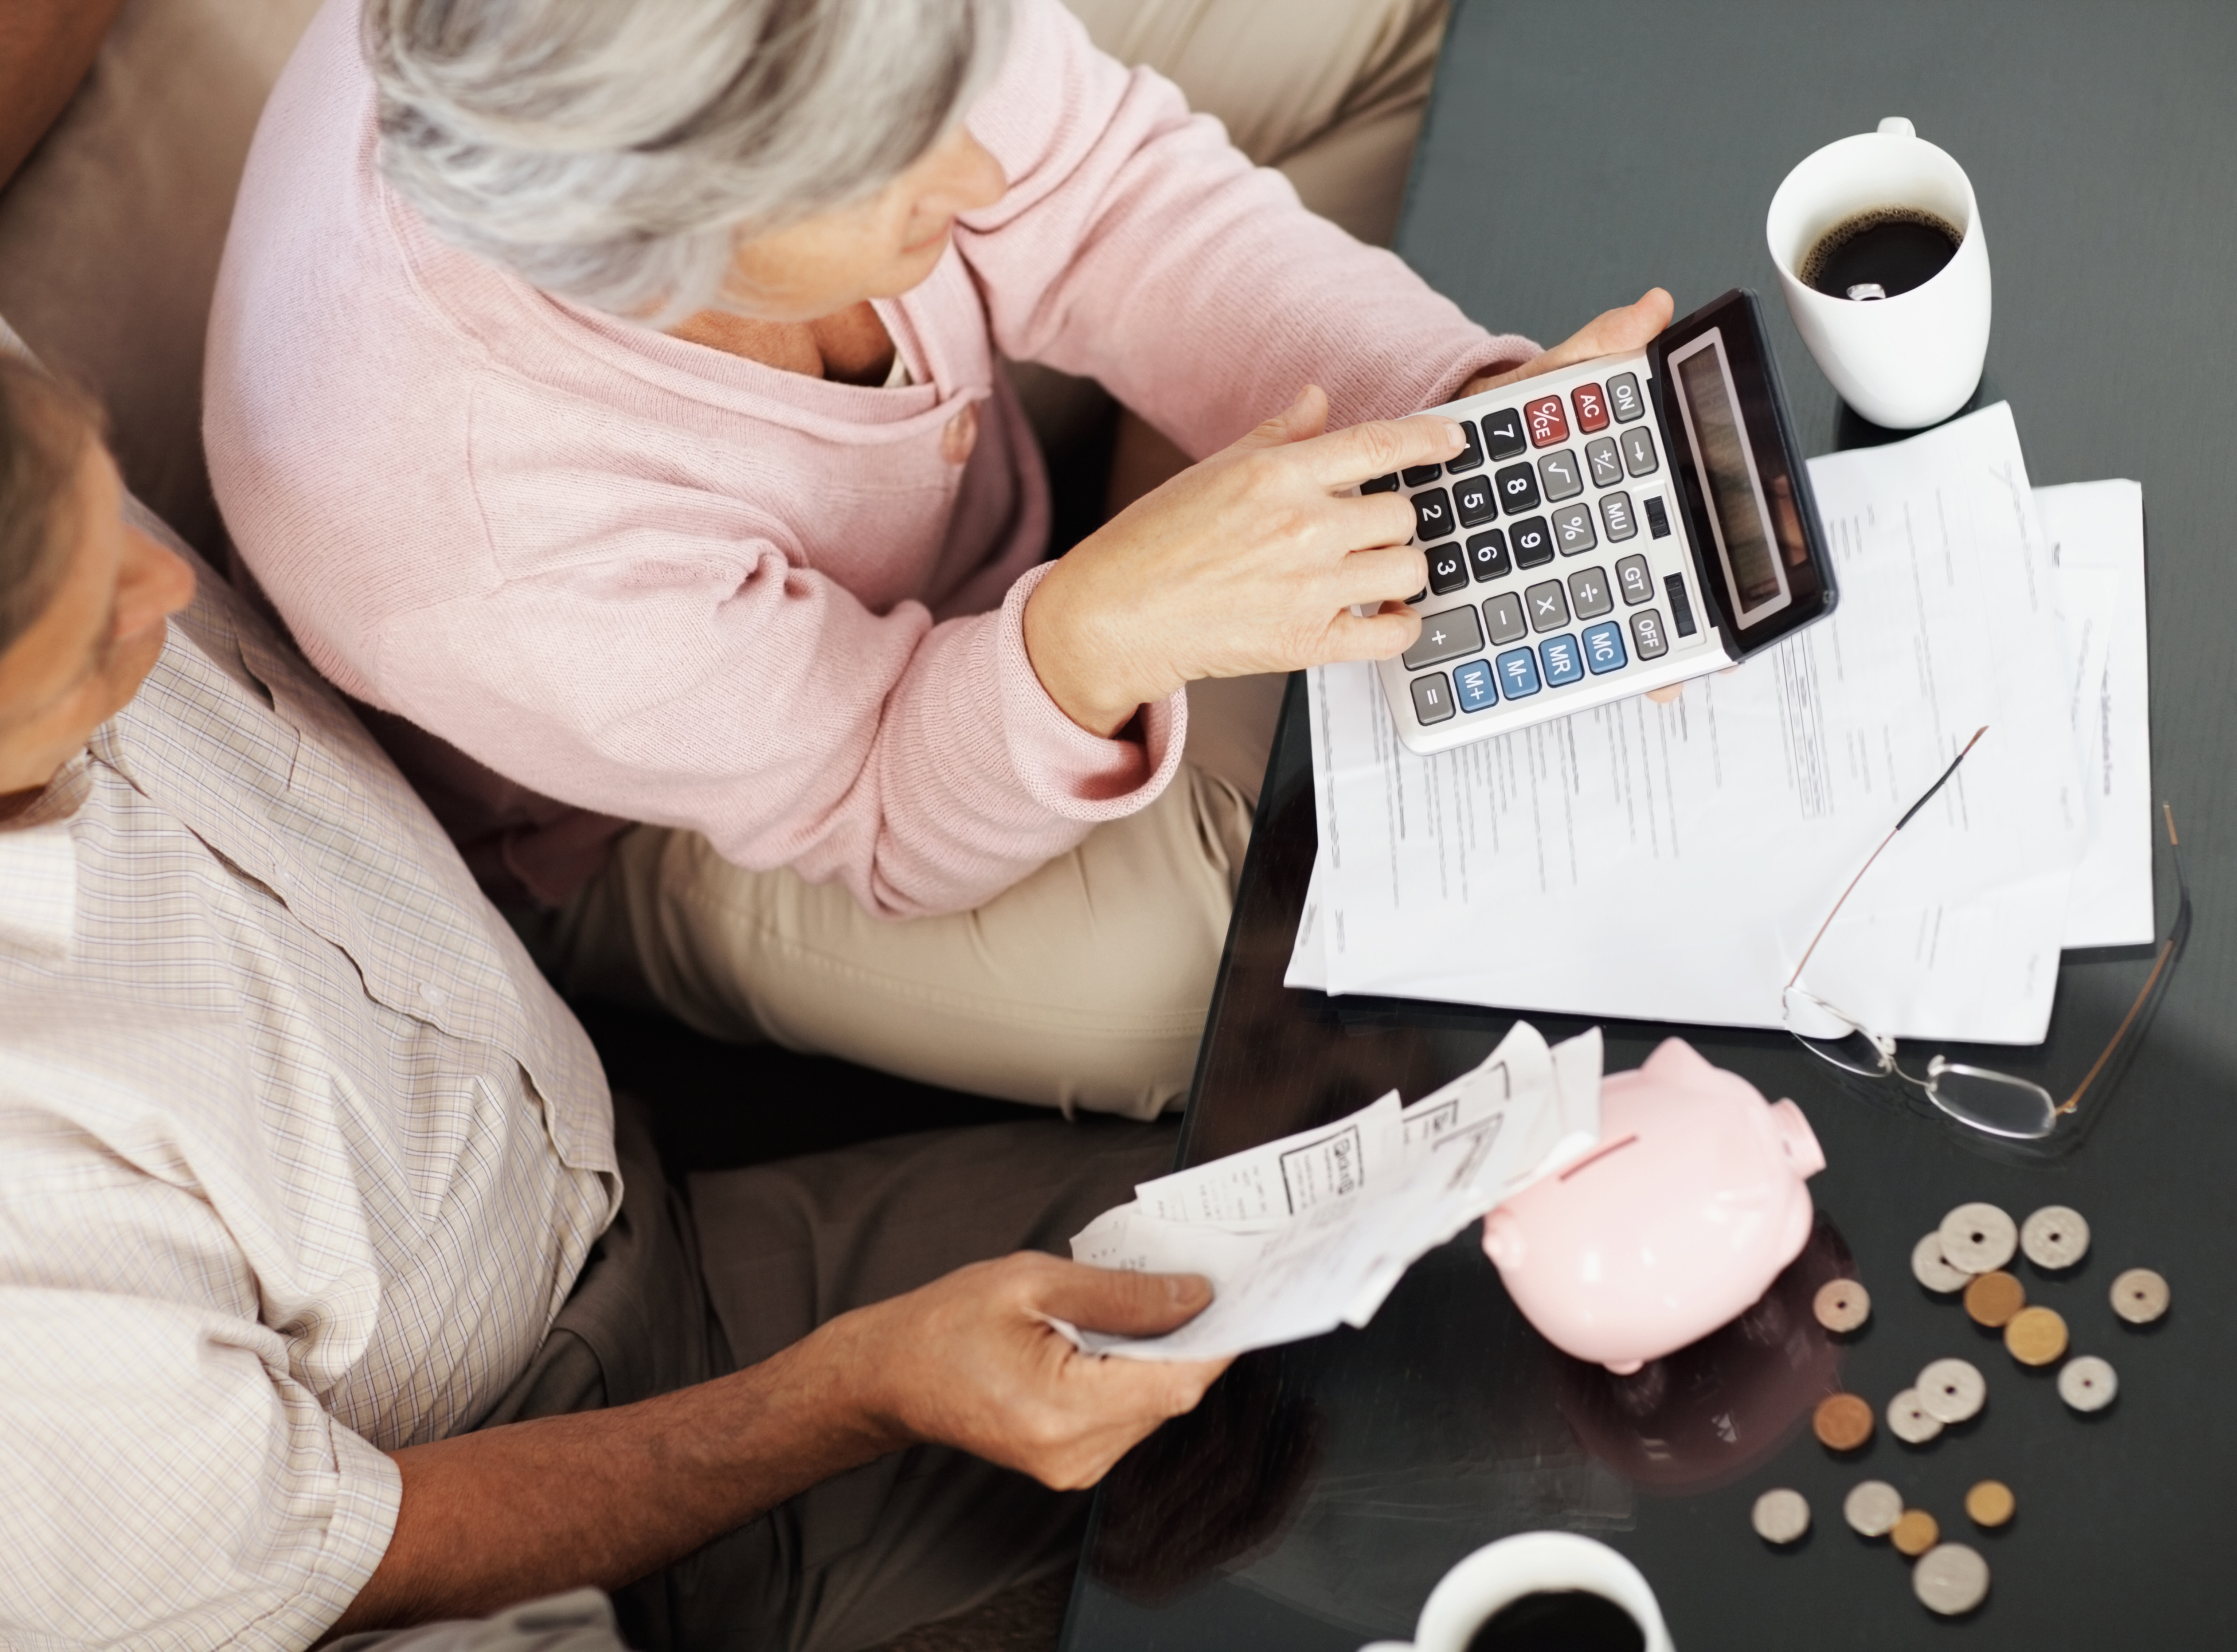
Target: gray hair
(614, 152)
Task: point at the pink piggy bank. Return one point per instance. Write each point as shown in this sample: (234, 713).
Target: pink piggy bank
(1678, 1222)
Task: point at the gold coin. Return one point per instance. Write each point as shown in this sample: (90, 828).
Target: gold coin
(1915, 1533)
(1992, 1299)
(1990, 1503)
(1844, 1422)
(2140, 1296)
(1842, 1304)
(2035, 1336)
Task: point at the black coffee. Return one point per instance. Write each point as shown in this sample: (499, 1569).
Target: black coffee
(1879, 253)
(1559, 1620)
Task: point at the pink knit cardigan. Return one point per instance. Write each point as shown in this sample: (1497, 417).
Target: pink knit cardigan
(609, 572)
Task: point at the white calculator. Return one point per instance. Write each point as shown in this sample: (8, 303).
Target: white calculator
(1610, 527)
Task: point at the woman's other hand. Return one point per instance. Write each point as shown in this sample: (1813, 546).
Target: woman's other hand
(1612, 332)
(1253, 561)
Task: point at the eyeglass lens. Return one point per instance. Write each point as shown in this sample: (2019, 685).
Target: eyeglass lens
(1995, 1103)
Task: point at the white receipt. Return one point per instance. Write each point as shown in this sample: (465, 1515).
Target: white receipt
(2096, 532)
(1386, 1185)
(1671, 862)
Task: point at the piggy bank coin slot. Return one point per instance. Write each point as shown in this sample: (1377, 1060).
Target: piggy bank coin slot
(1598, 1153)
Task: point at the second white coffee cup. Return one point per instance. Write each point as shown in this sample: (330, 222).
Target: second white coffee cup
(1913, 359)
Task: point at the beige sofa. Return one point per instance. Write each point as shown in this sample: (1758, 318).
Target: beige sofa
(111, 231)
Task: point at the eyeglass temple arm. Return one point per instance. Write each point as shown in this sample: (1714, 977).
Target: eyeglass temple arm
(2176, 935)
(1925, 798)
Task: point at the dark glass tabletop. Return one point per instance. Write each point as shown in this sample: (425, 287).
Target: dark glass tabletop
(1575, 155)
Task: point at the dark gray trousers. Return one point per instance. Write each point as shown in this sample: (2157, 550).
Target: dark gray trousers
(686, 1287)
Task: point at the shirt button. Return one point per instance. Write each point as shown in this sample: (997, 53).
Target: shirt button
(2140, 1296)
(1978, 1238)
(1992, 1299)
(1953, 1391)
(1950, 1580)
(2037, 1336)
(2054, 1237)
(961, 434)
(432, 996)
(1841, 1306)
(1842, 1422)
(2088, 1383)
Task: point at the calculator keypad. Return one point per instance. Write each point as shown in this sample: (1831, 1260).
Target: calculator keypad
(1445, 637)
(1550, 607)
(1533, 543)
(1588, 593)
(1487, 556)
(1562, 474)
(1573, 529)
(1476, 501)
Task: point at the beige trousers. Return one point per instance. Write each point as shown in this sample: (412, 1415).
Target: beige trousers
(1084, 985)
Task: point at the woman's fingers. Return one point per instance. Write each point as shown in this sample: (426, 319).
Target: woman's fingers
(1346, 458)
(1372, 636)
(1612, 332)
(1368, 578)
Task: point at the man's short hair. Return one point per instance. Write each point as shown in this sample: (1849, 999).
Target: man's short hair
(44, 427)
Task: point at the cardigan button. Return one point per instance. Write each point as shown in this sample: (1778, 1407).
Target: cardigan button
(961, 434)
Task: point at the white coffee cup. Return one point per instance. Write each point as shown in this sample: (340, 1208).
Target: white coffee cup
(1499, 1574)
(1905, 361)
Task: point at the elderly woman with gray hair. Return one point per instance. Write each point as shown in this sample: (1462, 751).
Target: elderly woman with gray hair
(608, 394)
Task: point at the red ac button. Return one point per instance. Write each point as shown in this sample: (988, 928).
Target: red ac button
(1592, 408)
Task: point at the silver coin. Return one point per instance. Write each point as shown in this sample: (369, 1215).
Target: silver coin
(1872, 1507)
(1910, 1421)
(1930, 1268)
(1781, 1516)
(1978, 1238)
(1950, 1578)
(1952, 1390)
(2054, 1237)
(2140, 1296)
(2087, 1383)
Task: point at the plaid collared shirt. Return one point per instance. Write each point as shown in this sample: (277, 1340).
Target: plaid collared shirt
(298, 1157)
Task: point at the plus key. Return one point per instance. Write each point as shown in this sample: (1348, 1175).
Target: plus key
(1547, 419)
(1592, 408)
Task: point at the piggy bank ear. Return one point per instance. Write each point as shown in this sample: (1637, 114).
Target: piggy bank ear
(1676, 1060)
(1501, 1240)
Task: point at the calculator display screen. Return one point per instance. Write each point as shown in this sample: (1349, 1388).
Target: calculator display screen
(1724, 459)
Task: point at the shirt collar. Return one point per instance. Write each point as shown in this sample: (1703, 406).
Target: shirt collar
(38, 868)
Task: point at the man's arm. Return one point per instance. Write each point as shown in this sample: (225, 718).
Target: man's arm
(46, 46)
(602, 1497)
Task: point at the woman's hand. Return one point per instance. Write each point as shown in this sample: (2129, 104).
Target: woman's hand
(1612, 332)
(1250, 561)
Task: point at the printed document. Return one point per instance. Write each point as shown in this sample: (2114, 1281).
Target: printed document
(1313, 1231)
(1670, 862)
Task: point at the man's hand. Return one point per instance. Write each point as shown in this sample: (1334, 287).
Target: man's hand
(602, 1497)
(1611, 332)
(972, 1362)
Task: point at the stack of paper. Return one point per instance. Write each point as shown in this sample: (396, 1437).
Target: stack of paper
(1311, 1232)
(1671, 862)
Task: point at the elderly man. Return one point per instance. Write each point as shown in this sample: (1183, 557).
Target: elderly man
(336, 1295)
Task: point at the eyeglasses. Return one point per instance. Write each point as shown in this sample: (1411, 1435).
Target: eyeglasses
(1996, 1103)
